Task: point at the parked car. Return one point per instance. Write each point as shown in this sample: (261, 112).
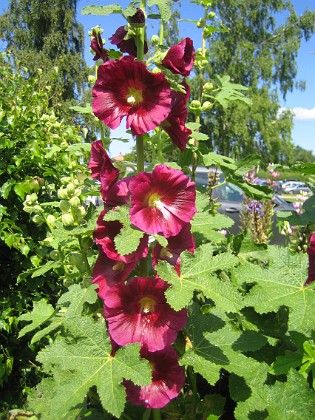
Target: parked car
(230, 198)
(296, 188)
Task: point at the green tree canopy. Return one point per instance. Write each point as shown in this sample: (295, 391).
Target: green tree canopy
(259, 51)
(45, 34)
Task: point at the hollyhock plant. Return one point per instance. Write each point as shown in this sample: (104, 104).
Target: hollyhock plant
(174, 124)
(180, 58)
(143, 97)
(168, 378)
(163, 201)
(311, 260)
(138, 312)
(105, 235)
(184, 241)
(107, 273)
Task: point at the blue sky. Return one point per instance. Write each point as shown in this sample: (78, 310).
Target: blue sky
(302, 103)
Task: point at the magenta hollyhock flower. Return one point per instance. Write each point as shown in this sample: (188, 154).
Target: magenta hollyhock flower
(184, 241)
(97, 46)
(174, 124)
(138, 312)
(168, 378)
(180, 58)
(102, 167)
(125, 88)
(119, 194)
(311, 260)
(125, 44)
(162, 201)
(107, 273)
(105, 235)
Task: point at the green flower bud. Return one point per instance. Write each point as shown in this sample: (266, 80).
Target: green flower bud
(31, 199)
(64, 206)
(62, 194)
(75, 202)
(55, 255)
(155, 40)
(206, 106)
(195, 106)
(211, 15)
(51, 220)
(70, 188)
(65, 180)
(67, 219)
(208, 87)
(39, 220)
(91, 78)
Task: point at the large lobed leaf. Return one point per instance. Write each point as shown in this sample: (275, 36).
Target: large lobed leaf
(84, 362)
(281, 283)
(198, 273)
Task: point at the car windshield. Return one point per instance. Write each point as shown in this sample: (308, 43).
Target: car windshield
(228, 192)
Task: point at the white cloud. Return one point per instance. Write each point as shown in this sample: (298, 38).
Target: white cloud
(301, 114)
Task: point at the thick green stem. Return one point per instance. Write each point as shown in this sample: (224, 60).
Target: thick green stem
(140, 153)
(84, 256)
(193, 384)
(159, 147)
(156, 414)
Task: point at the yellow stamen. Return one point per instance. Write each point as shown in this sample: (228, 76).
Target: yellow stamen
(147, 305)
(134, 96)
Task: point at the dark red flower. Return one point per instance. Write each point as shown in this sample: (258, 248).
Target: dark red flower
(184, 241)
(107, 273)
(311, 260)
(174, 124)
(180, 58)
(118, 194)
(138, 312)
(125, 44)
(162, 201)
(101, 166)
(97, 46)
(168, 378)
(125, 88)
(105, 235)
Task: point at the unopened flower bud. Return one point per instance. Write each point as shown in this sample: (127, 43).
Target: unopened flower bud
(67, 219)
(75, 201)
(206, 106)
(64, 206)
(62, 194)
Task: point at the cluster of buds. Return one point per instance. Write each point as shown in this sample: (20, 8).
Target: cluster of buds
(70, 204)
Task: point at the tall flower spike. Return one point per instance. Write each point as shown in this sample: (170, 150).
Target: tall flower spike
(168, 378)
(180, 58)
(125, 88)
(162, 201)
(311, 261)
(138, 312)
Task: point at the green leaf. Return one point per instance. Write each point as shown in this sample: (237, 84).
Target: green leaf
(290, 360)
(79, 146)
(198, 273)
(290, 400)
(164, 8)
(102, 10)
(82, 109)
(281, 283)
(41, 313)
(120, 213)
(85, 362)
(77, 297)
(128, 240)
(214, 159)
(50, 265)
